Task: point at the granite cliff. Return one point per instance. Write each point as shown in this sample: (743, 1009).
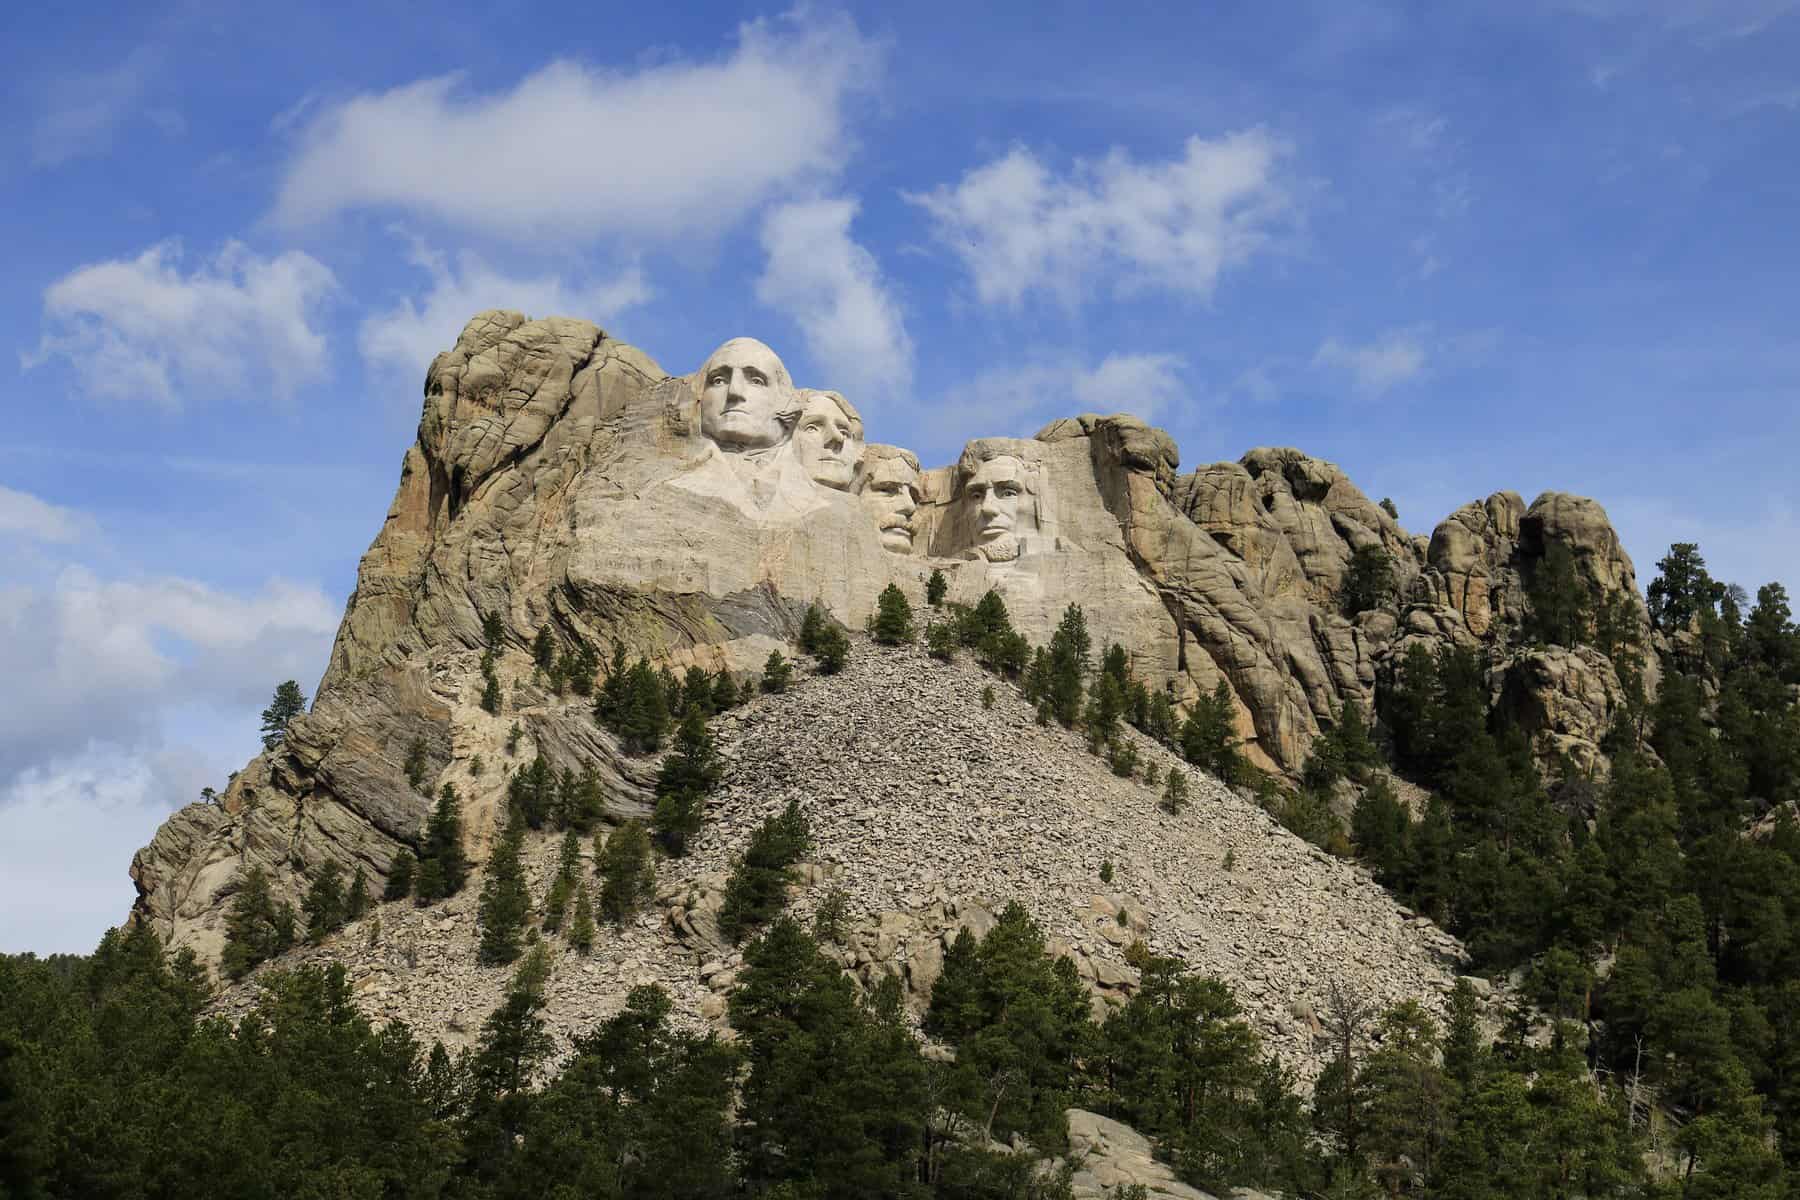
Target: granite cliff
(563, 480)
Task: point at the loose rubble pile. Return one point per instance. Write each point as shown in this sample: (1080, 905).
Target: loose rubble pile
(932, 812)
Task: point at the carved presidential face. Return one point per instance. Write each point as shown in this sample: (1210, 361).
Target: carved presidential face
(830, 442)
(891, 495)
(998, 495)
(744, 393)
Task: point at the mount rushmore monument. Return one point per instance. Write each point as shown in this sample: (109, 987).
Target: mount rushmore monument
(562, 479)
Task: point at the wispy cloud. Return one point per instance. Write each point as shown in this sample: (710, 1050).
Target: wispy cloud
(406, 337)
(1376, 367)
(833, 288)
(683, 148)
(24, 515)
(83, 113)
(1177, 224)
(142, 329)
(1015, 401)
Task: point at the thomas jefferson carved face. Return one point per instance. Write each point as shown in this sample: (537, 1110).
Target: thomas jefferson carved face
(891, 494)
(829, 439)
(746, 397)
(999, 495)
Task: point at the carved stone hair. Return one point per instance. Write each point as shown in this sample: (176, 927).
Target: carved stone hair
(844, 406)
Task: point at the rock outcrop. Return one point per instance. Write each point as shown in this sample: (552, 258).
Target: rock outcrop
(562, 480)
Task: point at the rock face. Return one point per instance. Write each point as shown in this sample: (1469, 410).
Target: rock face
(563, 480)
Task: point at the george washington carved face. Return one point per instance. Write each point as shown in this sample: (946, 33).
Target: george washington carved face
(747, 400)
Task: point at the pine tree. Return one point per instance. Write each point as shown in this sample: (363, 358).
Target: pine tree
(833, 650)
(581, 928)
(893, 617)
(776, 672)
(1558, 599)
(490, 691)
(725, 692)
(493, 629)
(356, 900)
(543, 649)
(1175, 792)
(812, 626)
(757, 888)
(940, 641)
(697, 691)
(324, 904)
(627, 873)
(688, 775)
(1208, 737)
(289, 702)
(1369, 582)
(505, 903)
(443, 869)
(253, 926)
(1069, 647)
(562, 888)
(935, 588)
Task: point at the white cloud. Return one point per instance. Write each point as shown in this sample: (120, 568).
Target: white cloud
(99, 658)
(833, 289)
(1177, 224)
(667, 150)
(1015, 401)
(1377, 366)
(26, 516)
(142, 329)
(83, 112)
(408, 336)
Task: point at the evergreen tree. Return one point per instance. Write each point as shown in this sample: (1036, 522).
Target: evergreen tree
(255, 929)
(356, 900)
(1175, 793)
(893, 617)
(812, 626)
(940, 641)
(1369, 581)
(833, 650)
(776, 672)
(442, 867)
(562, 887)
(288, 703)
(416, 764)
(1682, 589)
(757, 888)
(935, 588)
(1069, 647)
(1161, 721)
(493, 630)
(581, 928)
(627, 874)
(324, 903)
(490, 691)
(543, 649)
(533, 791)
(400, 877)
(687, 777)
(725, 692)
(1558, 599)
(505, 903)
(697, 691)
(1208, 736)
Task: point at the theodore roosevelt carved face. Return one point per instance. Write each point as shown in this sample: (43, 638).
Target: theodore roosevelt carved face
(829, 440)
(890, 494)
(747, 399)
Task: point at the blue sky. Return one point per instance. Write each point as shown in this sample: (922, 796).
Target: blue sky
(1453, 248)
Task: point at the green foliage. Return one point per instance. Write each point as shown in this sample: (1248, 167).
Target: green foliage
(256, 928)
(1390, 508)
(1106, 871)
(505, 903)
(935, 588)
(627, 872)
(833, 649)
(1122, 757)
(1682, 590)
(493, 630)
(416, 764)
(1209, 736)
(1175, 793)
(987, 697)
(687, 777)
(562, 887)
(581, 927)
(725, 694)
(400, 876)
(697, 688)
(776, 673)
(1018, 1019)
(634, 702)
(325, 902)
(757, 888)
(1067, 665)
(812, 626)
(941, 641)
(443, 869)
(289, 702)
(1369, 581)
(490, 690)
(831, 920)
(1558, 599)
(893, 617)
